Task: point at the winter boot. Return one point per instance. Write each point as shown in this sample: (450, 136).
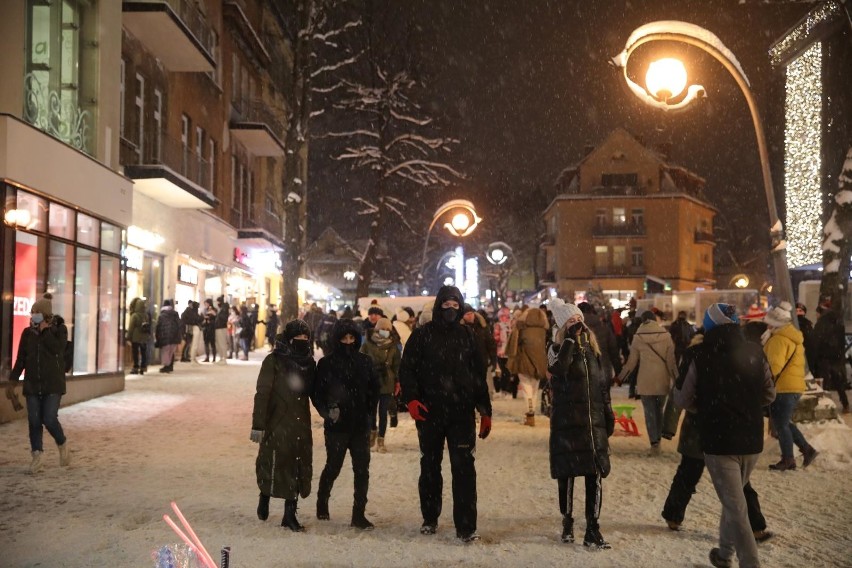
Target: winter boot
(529, 419)
(380, 445)
(64, 455)
(717, 561)
(567, 529)
(374, 434)
(37, 464)
(673, 526)
(428, 528)
(290, 521)
(762, 536)
(164, 369)
(359, 521)
(263, 507)
(322, 509)
(784, 465)
(143, 370)
(810, 455)
(467, 537)
(394, 420)
(134, 371)
(593, 539)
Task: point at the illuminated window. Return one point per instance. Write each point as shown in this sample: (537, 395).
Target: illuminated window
(619, 216)
(601, 256)
(619, 256)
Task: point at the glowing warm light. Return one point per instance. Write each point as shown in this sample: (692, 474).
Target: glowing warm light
(460, 222)
(497, 255)
(350, 275)
(741, 281)
(20, 217)
(448, 281)
(666, 78)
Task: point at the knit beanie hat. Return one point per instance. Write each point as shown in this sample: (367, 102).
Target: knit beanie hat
(719, 314)
(779, 316)
(562, 312)
(402, 315)
(375, 310)
(43, 305)
(384, 323)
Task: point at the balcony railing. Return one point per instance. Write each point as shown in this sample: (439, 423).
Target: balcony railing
(166, 151)
(258, 127)
(702, 237)
(257, 111)
(174, 30)
(257, 217)
(620, 270)
(618, 230)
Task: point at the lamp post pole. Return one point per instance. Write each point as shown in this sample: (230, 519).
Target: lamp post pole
(461, 204)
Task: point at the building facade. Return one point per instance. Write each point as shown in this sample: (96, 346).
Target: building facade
(629, 222)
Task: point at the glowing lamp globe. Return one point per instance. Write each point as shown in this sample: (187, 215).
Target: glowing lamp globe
(497, 255)
(666, 78)
(460, 222)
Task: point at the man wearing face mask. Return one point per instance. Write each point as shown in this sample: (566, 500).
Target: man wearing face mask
(281, 423)
(41, 357)
(382, 347)
(443, 383)
(345, 391)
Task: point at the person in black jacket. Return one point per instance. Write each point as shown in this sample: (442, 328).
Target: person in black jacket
(827, 343)
(605, 336)
(443, 382)
(221, 330)
(582, 420)
(208, 326)
(189, 320)
(167, 336)
(41, 357)
(345, 391)
(728, 384)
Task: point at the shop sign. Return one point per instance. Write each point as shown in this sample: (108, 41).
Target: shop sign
(241, 256)
(22, 306)
(187, 274)
(135, 258)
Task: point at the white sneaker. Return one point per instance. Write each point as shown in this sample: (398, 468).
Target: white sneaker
(37, 464)
(64, 455)
(221, 362)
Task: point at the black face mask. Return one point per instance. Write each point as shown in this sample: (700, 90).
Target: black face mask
(348, 349)
(301, 346)
(450, 314)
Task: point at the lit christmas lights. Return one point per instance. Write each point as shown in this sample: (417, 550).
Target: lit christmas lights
(802, 150)
(822, 13)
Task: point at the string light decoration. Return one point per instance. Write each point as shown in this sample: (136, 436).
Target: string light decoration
(802, 157)
(824, 12)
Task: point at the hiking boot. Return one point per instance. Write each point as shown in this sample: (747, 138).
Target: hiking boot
(374, 434)
(762, 536)
(529, 419)
(673, 526)
(359, 521)
(567, 529)
(380, 445)
(468, 537)
(655, 449)
(717, 561)
(290, 521)
(37, 464)
(786, 464)
(594, 540)
(263, 507)
(428, 528)
(134, 371)
(64, 455)
(810, 455)
(394, 421)
(322, 510)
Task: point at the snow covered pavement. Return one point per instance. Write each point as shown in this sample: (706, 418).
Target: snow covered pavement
(185, 437)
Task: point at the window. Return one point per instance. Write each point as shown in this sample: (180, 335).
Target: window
(269, 205)
(619, 256)
(235, 79)
(619, 180)
(250, 204)
(211, 179)
(637, 256)
(600, 217)
(108, 324)
(157, 138)
(140, 116)
(61, 221)
(110, 238)
(86, 311)
(88, 230)
(184, 142)
(122, 93)
(637, 217)
(240, 180)
(214, 51)
(199, 141)
(234, 182)
(619, 216)
(601, 256)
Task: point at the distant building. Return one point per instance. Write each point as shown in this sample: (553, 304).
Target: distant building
(628, 220)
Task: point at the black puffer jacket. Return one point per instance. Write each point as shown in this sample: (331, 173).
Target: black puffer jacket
(346, 379)
(442, 367)
(42, 355)
(168, 327)
(582, 419)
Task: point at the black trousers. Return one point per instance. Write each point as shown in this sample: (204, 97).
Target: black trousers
(460, 436)
(336, 446)
(683, 487)
(594, 498)
(139, 351)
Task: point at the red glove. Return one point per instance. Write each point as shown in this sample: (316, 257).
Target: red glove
(484, 427)
(397, 389)
(415, 408)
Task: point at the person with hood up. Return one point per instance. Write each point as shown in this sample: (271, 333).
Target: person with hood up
(581, 422)
(610, 355)
(167, 336)
(41, 359)
(190, 320)
(345, 394)
(785, 351)
(272, 322)
(527, 352)
(728, 384)
(653, 352)
(443, 383)
(281, 423)
(138, 333)
(382, 347)
(828, 346)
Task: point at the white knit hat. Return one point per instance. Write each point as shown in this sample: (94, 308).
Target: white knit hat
(780, 315)
(562, 312)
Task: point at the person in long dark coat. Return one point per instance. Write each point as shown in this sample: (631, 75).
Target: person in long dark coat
(346, 391)
(581, 423)
(281, 423)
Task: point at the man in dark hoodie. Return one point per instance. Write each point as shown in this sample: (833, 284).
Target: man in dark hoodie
(345, 391)
(443, 382)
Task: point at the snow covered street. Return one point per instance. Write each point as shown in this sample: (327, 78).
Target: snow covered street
(184, 436)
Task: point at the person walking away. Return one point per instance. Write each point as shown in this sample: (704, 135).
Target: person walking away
(346, 392)
(382, 348)
(41, 359)
(313, 318)
(245, 334)
(681, 332)
(785, 351)
(167, 336)
(221, 327)
(208, 326)
(829, 347)
(483, 337)
(272, 322)
(189, 323)
(281, 423)
(528, 357)
(610, 357)
(233, 332)
(502, 330)
(653, 352)
(325, 329)
(443, 384)
(806, 327)
(728, 383)
(581, 421)
(139, 333)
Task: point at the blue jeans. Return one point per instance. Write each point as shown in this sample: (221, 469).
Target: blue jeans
(781, 412)
(653, 406)
(43, 410)
(244, 345)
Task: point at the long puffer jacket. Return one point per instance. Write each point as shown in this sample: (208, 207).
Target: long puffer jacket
(168, 327)
(41, 357)
(136, 331)
(529, 355)
(386, 359)
(582, 419)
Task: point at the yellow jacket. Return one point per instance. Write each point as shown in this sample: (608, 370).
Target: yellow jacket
(786, 344)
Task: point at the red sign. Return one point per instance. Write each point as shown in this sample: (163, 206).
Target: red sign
(26, 264)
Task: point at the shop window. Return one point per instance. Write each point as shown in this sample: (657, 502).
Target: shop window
(60, 279)
(108, 316)
(88, 230)
(61, 221)
(110, 238)
(86, 312)
(29, 213)
(29, 282)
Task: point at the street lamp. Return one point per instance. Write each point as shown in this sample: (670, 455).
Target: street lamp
(498, 253)
(666, 80)
(463, 222)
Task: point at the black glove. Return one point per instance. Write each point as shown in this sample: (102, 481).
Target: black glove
(575, 329)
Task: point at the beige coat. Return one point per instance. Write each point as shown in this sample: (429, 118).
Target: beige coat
(653, 351)
(527, 350)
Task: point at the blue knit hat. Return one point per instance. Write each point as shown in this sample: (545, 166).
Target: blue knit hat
(719, 314)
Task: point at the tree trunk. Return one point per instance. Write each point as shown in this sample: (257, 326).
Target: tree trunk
(368, 261)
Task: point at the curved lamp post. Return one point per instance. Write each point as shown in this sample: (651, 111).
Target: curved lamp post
(463, 222)
(666, 80)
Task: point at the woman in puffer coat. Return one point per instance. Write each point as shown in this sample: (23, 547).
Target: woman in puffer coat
(581, 423)
(527, 354)
(281, 423)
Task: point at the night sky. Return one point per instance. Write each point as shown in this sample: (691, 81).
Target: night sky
(526, 84)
